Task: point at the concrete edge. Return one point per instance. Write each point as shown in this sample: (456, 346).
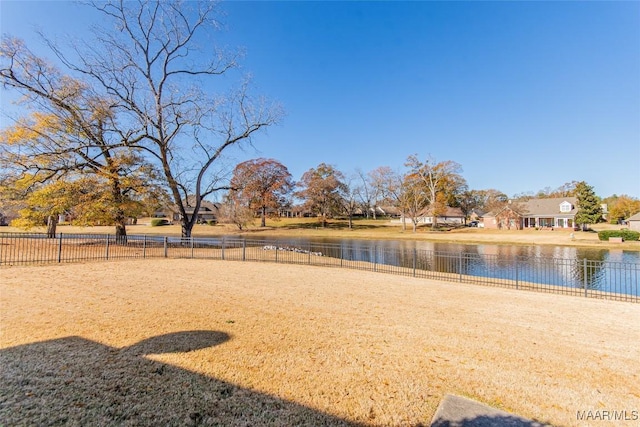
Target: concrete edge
(458, 411)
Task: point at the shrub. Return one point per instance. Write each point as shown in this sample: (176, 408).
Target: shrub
(157, 222)
(628, 235)
(212, 222)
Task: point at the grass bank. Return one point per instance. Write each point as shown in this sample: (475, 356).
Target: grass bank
(193, 342)
(376, 229)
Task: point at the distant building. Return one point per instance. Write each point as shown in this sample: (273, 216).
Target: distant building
(450, 216)
(208, 211)
(634, 222)
(557, 212)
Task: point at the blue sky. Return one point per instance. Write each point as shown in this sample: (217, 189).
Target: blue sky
(524, 95)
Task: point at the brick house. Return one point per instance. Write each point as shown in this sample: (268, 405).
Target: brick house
(557, 212)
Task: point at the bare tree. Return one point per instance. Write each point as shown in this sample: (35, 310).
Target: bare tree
(390, 187)
(366, 193)
(492, 200)
(413, 199)
(437, 178)
(236, 210)
(351, 192)
(568, 189)
(72, 130)
(155, 71)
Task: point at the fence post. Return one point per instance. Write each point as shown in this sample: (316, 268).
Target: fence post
(144, 246)
(166, 246)
(309, 252)
(375, 258)
(414, 261)
(341, 255)
(276, 246)
(223, 248)
(244, 249)
(191, 237)
(516, 262)
(60, 248)
(106, 253)
(460, 267)
(584, 275)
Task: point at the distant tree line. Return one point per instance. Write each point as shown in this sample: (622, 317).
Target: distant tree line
(423, 188)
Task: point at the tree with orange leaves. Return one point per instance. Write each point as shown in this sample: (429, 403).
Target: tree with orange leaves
(263, 184)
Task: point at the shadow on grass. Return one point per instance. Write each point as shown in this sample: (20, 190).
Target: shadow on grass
(77, 381)
(487, 421)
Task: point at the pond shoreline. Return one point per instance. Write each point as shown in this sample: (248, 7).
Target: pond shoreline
(370, 230)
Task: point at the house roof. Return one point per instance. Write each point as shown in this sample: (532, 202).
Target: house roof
(551, 206)
(449, 212)
(635, 217)
(205, 206)
(388, 210)
(540, 207)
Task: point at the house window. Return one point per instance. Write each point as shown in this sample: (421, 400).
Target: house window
(565, 207)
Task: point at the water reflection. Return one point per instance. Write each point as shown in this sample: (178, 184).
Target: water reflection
(573, 267)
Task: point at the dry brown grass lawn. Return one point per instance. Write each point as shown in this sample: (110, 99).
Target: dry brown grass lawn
(268, 344)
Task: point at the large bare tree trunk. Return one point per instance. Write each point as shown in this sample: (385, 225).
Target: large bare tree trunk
(120, 217)
(121, 227)
(52, 223)
(263, 217)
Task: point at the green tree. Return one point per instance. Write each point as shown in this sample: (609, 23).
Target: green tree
(468, 201)
(589, 208)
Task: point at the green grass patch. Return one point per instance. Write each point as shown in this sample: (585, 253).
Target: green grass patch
(627, 235)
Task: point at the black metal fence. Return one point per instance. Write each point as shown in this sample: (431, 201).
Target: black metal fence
(582, 277)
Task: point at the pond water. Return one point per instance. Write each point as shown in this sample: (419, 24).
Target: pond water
(596, 269)
(505, 251)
